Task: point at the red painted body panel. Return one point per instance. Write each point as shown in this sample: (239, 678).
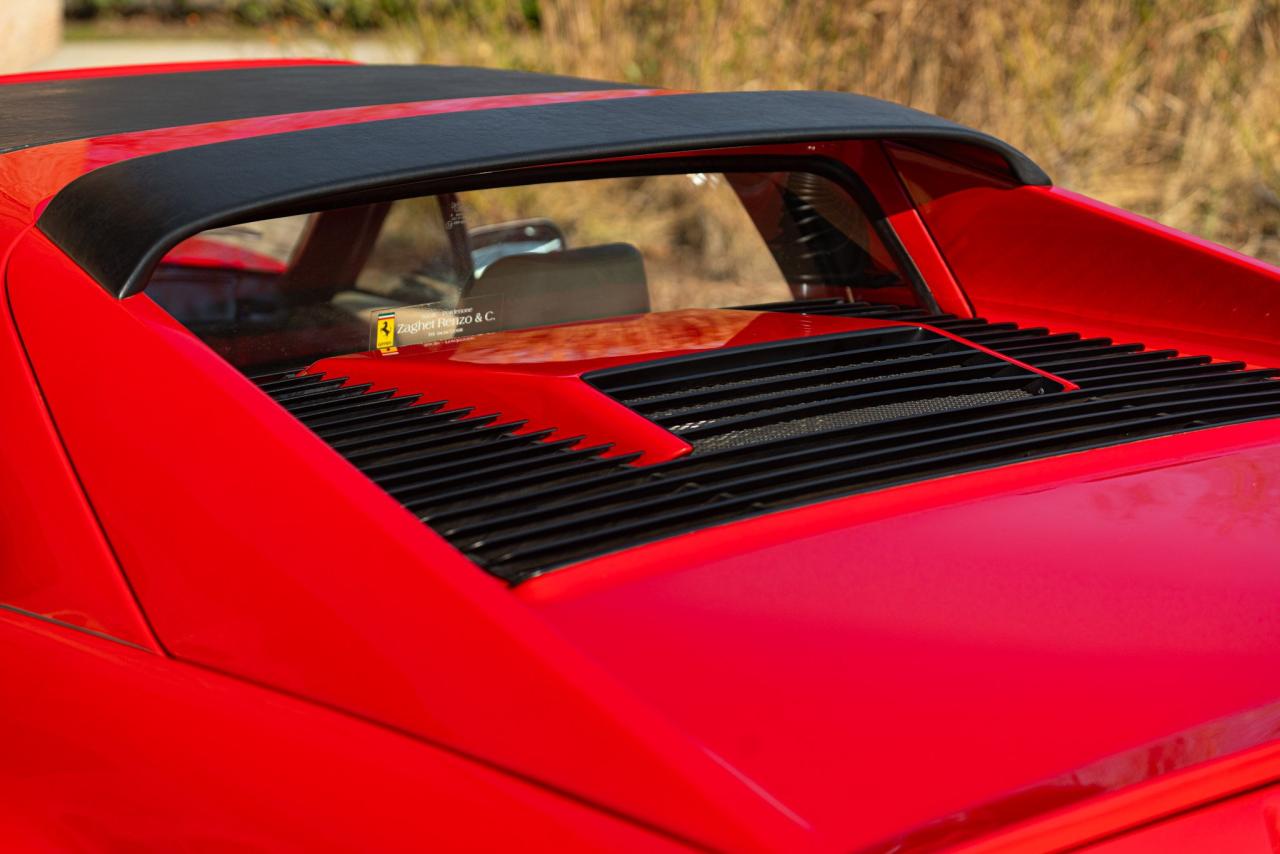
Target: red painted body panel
(1160, 803)
(227, 545)
(54, 558)
(112, 748)
(1051, 653)
(998, 628)
(1249, 824)
(209, 252)
(1049, 256)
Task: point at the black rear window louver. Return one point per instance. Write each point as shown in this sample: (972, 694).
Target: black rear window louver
(425, 454)
(773, 426)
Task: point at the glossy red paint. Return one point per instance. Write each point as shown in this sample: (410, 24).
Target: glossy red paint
(209, 252)
(1066, 651)
(240, 568)
(56, 561)
(1249, 824)
(1151, 815)
(175, 757)
(1007, 625)
(1049, 256)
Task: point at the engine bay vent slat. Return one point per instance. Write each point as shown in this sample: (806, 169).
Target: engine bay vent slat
(772, 425)
(797, 386)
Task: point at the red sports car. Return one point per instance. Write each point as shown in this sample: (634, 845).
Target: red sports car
(425, 457)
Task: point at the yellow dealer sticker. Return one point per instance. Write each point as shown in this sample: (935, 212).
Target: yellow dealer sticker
(385, 331)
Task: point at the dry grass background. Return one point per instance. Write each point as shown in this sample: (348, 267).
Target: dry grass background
(1170, 110)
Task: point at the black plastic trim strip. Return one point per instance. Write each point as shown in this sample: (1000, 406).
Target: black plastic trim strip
(54, 621)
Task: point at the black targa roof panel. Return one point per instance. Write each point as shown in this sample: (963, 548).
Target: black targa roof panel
(46, 111)
(117, 222)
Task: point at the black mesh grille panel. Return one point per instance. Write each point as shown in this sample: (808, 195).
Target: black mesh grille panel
(773, 426)
(851, 418)
(734, 397)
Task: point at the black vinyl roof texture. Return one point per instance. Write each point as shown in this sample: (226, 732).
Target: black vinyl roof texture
(119, 220)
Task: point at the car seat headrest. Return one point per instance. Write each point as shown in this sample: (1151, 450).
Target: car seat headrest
(572, 284)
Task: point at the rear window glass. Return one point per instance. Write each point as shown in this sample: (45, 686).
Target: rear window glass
(283, 292)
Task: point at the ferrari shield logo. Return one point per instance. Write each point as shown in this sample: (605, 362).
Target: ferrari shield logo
(385, 331)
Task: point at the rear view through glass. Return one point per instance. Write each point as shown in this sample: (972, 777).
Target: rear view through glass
(283, 292)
